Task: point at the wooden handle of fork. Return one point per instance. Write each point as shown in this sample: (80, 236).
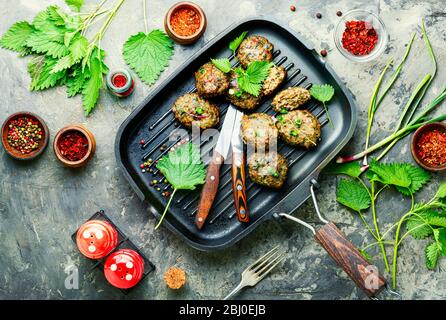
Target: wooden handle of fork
(347, 256)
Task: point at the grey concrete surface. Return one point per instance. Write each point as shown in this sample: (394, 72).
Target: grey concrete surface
(42, 203)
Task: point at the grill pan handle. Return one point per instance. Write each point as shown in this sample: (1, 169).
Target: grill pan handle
(347, 256)
(344, 253)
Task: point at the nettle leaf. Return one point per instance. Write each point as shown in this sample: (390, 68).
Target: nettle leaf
(223, 65)
(92, 86)
(40, 42)
(441, 192)
(352, 169)
(432, 253)
(418, 176)
(78, 50)
(441, 239)
(183, 167)
(234, 44)
(417, 227)
(322, 93)
(41, 76)
(76, 81)
(390, 173)
(75, 5)
(353, 195)
(251, 79)
(148, 54)
(16, 37)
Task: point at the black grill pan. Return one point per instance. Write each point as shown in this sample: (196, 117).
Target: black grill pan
(153, 121)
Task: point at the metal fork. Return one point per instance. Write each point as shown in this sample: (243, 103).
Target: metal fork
(258, 270)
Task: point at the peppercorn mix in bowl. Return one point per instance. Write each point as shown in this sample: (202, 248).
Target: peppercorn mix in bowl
(24, 135)
(74, 145)
(361, 36)
(429, 146)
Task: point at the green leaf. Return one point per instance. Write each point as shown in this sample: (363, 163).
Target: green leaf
(417, 227)
(322, 93)
(390, 173)
(441, 240)
(63, 64)
(78, 48)
(257, 71)
(41, 76)
(148, 54)
(92, 86)
(437, 220)
(251, 80)
(183, 167)
(353, 195)
(41, 42)
(15, 38)
(223, 65)
(352, 169)
(41, 19)
(237, 41)
(432, 253)
(418, 177)
(75, 5)
(441, 192)
(76, 81)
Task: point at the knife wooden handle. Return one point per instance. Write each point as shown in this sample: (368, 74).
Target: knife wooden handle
(345, 254)
(239, 186)
(209, 190)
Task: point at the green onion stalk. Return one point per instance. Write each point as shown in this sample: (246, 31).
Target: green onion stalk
(406, 123)
(412, 126)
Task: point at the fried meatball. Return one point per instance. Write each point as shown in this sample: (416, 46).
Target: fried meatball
(254, 48)
(268, 169)
(241, 99)
(299, 128)
(210, 81)
(192, 109)
(290, 98)
(258, 130)
(275, 78)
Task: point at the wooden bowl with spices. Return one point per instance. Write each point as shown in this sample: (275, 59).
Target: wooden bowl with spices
(74, 145)
(185, 22)
(429, 146)
(24, 135)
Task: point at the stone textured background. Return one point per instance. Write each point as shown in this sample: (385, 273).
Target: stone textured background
(42, 203)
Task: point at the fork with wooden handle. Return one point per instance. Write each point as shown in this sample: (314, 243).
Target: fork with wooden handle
(258, 270)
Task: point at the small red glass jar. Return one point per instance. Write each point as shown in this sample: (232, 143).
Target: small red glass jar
(124, 268)
(120, 82)
(96, 239)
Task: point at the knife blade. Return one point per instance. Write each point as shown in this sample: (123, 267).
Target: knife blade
(238, 171)
(219, 155)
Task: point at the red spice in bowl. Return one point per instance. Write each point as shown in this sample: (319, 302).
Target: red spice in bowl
(73, 145)
(429, 146)
(185, 21)
(359, 37)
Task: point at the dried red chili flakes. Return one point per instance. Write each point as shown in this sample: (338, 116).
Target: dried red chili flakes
(359, 37)
(73, 145)
(431, 147)
(185, 21)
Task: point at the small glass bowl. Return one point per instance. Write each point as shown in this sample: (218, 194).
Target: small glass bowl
(378, 25)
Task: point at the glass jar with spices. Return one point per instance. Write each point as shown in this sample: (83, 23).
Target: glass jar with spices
(120, 82)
